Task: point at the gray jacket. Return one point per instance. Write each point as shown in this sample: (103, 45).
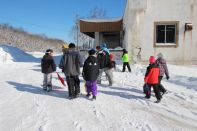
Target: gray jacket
(163, 66)
(71, 62)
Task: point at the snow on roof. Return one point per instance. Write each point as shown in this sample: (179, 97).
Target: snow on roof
(102, 20)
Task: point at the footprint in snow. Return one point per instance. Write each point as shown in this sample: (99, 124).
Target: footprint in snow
(77, 125)
(98, 113)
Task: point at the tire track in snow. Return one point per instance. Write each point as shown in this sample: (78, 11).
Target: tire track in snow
(186, 103)
(131, 123)
(37, 119)
(41, 114)
(100, 116)
(175, 116)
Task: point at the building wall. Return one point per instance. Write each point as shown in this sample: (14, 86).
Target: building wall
(139, 21)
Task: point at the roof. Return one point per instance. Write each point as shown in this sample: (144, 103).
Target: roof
(89, 26)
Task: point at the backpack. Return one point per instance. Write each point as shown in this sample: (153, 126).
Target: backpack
(104, 59)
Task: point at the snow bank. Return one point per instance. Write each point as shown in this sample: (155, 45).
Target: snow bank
(5, 57)
(9, 54)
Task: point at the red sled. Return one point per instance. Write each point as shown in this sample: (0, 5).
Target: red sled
(61, 79)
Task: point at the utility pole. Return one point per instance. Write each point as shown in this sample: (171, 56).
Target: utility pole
(77, 27)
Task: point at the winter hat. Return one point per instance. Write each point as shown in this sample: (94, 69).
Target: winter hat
(152, 59)
(104, 45)
(48, 51)
(160, 55)
(92, 52)
(124, 50)
(98, 47)
(71, 45)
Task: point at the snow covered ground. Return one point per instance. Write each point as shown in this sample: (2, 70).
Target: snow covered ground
(24, 106)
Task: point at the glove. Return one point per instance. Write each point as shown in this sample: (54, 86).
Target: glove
(63, 69)
(167, 77)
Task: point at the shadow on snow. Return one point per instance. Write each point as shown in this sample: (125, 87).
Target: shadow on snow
(188, 82)
(38, 90)
(124, 93)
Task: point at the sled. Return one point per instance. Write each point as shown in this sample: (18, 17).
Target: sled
(61, 79)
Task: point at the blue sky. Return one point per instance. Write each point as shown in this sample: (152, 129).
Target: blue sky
(54, 18)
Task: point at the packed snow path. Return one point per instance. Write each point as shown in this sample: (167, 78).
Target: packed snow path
(24, 106)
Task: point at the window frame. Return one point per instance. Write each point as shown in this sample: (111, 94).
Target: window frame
(166, 45)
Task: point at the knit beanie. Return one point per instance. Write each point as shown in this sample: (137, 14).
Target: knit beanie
(92, 52)
(152, 59)
(160, 55)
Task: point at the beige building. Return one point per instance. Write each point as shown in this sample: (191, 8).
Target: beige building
(107, 31)
(149, 27)
(166, 26)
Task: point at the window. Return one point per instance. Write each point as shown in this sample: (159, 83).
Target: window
(166, 34)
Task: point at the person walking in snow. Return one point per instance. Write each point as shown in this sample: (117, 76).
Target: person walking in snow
(161, 62)
(90, 73)
(104, 65)
(151, 79)
(70, 64)
(48, 66)
(125, 59)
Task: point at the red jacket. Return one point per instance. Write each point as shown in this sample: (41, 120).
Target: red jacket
(152, 74)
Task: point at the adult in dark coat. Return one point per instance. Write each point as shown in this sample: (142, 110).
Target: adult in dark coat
(70, 64)
(90, 73)
(161, 62)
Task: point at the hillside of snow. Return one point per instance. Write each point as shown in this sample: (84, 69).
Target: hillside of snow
(24, 106)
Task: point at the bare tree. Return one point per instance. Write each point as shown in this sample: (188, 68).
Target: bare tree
(26, 41)
(97, 13)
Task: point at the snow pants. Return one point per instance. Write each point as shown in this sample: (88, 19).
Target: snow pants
(47, 81)
(91, 87)
(73, 83)
(124, 66)
(160, 86)
(109, 75)
(156, 91)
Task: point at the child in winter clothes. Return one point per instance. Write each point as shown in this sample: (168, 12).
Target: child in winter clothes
(90, 73)
(125, 59)
(161, 62)
(48, 66)
(151, 78)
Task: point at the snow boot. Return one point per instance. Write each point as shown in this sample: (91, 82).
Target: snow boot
(94, 98)
(162, 93)
(49, 88)
(158, 101)
(88, 95)
(147, 96)
(44, 88)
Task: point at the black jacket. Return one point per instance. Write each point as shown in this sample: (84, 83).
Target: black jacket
(48, 64)
(90, 69)
(103, 59)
